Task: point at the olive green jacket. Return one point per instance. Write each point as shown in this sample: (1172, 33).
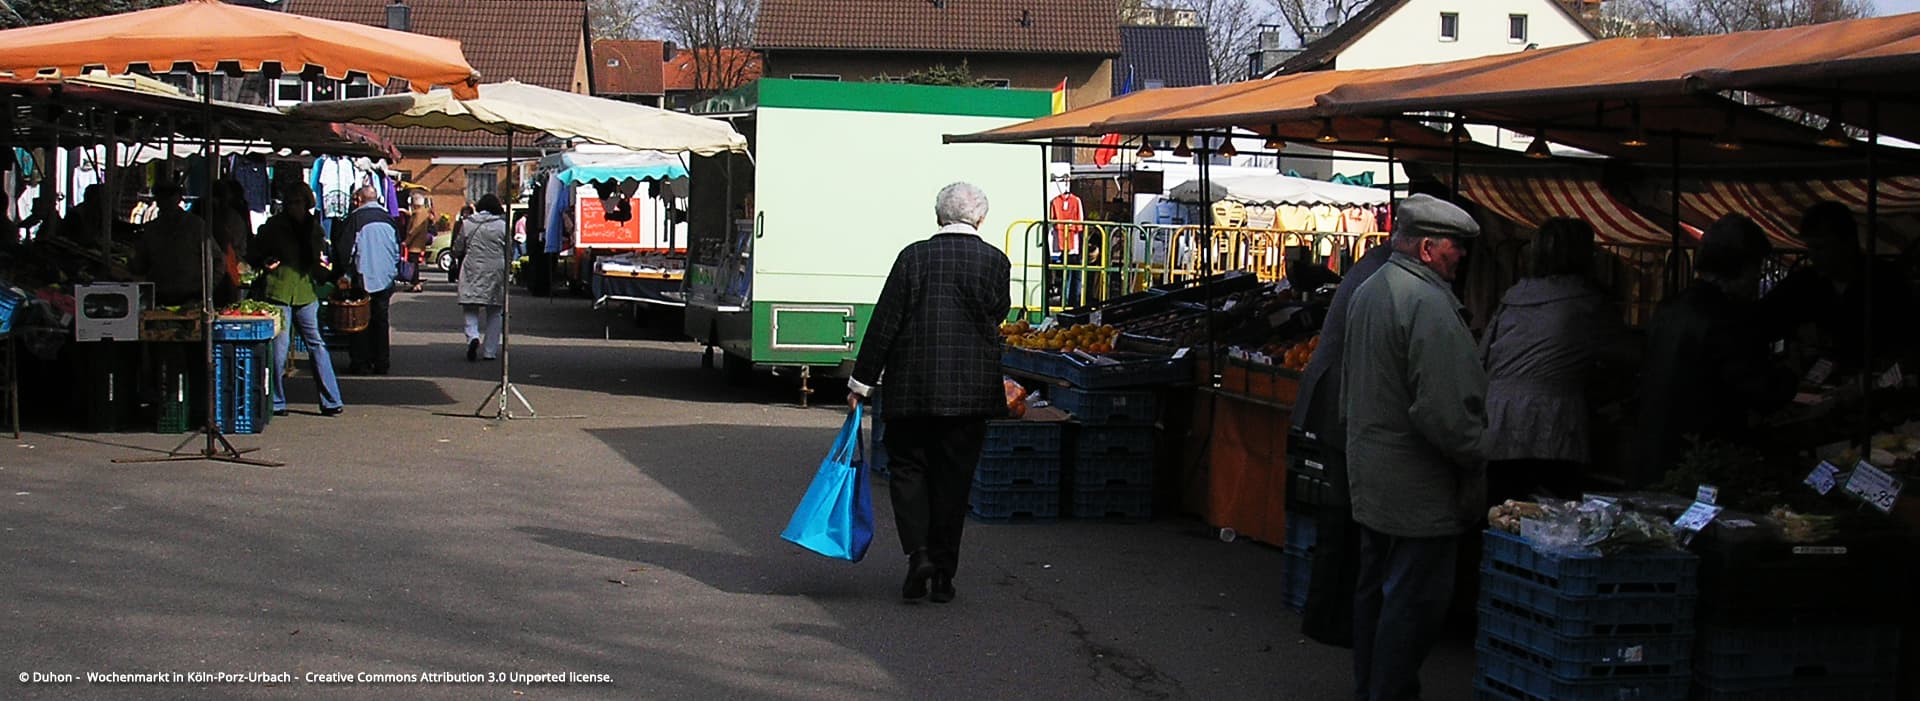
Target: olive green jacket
(1414, 396)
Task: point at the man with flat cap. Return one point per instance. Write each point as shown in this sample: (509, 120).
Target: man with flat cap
(1414, 396)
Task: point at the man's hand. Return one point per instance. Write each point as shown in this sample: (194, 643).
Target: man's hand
(853, 401)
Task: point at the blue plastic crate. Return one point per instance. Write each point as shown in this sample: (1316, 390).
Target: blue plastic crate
(1509, 679)
(1791, 689)
(1585, 657)
(242, 373)
(1014, 502)
(1298, 573)
(1022, 469)
(260, 329)
(1663, 572)
(1624, 614)
(1114, 441)
(1786, 653)
(1127, 372)
(1302, 532)
(1112, 471)
(10, 302)
(1127, 503)
(1097, 407)
(1025, 437)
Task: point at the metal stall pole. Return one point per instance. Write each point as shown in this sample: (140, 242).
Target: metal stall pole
(1046, 238)
(504, 410)
(1867, 381)
(1205, 158)
(216, 448)
(1676, 255)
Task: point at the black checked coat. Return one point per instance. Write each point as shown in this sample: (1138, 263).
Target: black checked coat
(934, 338)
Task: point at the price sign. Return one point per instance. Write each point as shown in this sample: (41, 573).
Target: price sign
(1707, 494)
(1821, 370)
(1096, 317)
(1823, 477)
(1874, 486)
(1891, 378)
(1697, 516)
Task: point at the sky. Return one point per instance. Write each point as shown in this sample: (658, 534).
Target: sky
(1894, 7)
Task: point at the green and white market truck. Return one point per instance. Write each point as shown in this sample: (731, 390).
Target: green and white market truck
(790, 245)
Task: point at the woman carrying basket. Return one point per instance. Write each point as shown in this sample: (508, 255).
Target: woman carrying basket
(288, 249)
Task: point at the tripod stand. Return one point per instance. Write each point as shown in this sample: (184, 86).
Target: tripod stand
(505, 390)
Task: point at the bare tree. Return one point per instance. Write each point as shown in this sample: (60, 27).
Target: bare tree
(1233, 28)
(1306, 18)
(617, 19)
(718, 32)
(1693, 17)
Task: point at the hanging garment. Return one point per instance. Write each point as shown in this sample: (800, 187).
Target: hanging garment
(1066, 206)
(392, 194)
(251, 171)
(334, 180)
(1261, 216)
(1357, 220)
(1326, 218)
(1294, 217)
(1229, 214)
(559, 208)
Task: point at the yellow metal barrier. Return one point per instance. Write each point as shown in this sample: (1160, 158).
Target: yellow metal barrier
(1118, 258)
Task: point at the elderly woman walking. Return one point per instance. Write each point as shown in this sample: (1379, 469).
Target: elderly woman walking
(481, 247)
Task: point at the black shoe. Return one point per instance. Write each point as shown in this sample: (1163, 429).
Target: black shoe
(473, 350)
(919, 570)
(942, 588)
(279, 412)
(336, 411)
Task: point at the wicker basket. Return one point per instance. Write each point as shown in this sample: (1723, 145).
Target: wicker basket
(350, 314)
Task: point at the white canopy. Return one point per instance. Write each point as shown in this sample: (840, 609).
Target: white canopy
(1278, 189)
(513, 106)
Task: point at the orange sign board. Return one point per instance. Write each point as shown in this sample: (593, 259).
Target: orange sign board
(592, 229)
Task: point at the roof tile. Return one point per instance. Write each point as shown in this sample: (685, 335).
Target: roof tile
(999, 26)
(1172, 57)
(524, 40)
(629, 67)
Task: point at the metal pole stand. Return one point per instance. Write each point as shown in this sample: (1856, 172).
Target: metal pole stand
(504, 411)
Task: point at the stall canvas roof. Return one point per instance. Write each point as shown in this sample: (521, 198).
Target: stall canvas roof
(1278, 189)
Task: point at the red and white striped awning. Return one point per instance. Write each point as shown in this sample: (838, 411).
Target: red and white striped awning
(1530, 198)
(1777, 205)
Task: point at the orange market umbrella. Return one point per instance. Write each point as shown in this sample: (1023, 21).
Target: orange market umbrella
(213, 36)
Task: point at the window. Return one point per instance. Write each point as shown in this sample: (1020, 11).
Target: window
(1449, 26)
(815, 76)
(358, 86)
(613, 63)
(1516, 29)
(480, 182)
(289, 89)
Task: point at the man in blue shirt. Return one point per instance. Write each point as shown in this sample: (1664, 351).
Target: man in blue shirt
(374, 261)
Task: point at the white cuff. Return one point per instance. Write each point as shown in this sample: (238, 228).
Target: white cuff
(858, 387)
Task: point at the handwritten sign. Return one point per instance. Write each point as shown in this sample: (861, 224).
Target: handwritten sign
(1707, 494)
(1891, 378)
(1823, 477)
(1874, 486)
(643, 231)
(1821, 370)
(1697, 516)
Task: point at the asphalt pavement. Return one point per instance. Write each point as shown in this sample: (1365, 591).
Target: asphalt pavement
(408, 549)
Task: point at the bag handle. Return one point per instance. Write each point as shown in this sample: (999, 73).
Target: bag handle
(847, 444)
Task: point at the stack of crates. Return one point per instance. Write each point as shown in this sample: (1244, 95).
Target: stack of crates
(1018, 476)
(1110, 467)
(1308, 491)
(1773, 625)
(1558, 628)
(243, 374)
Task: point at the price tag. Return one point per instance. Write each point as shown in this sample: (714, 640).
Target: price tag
(1874, 486)
(1095, 318)
(1697, 516)
(1890, 378)
(1823, 477)
(1182, 353)
(1737, 523)
(1707, 494)
(1821, 370)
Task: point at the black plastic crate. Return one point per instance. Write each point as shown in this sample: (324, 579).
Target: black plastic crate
(1005, 437)
(1107, 407)
(1661, 572)
(1126, 503)
(1509, 679)
(1298, 573)
(1730, 653)
(1112, 471)
(1829, 689)
(1114, 441)
(1018, 469)
(1307, 483)
(1624, 614)
(1014, 502)
(1748, 575)
(1585, 657)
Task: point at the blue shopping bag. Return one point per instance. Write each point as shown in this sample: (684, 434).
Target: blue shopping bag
(835, 518)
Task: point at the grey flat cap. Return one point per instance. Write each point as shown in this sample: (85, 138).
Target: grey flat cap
(1426, 215)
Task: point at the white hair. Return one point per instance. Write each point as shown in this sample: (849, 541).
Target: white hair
(960, 203)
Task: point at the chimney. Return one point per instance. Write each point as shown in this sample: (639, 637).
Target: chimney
(399, 16)
(668, 51)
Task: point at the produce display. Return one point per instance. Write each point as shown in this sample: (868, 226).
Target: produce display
(1292, 356)
(1089, 338)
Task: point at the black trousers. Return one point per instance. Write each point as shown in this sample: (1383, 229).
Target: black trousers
(371, 349)
(932, 461)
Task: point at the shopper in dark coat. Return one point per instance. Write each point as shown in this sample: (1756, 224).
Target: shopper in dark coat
(934, 339)
(1707, 368)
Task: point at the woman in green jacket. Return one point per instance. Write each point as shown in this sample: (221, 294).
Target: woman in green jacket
(288, 249)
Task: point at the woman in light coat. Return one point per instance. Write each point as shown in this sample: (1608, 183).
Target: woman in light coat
(481, 247)
(1541, 348)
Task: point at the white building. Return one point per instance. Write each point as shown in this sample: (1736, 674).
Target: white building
(1390, 33)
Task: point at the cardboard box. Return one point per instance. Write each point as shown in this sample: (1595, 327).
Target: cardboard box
(110, 311)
